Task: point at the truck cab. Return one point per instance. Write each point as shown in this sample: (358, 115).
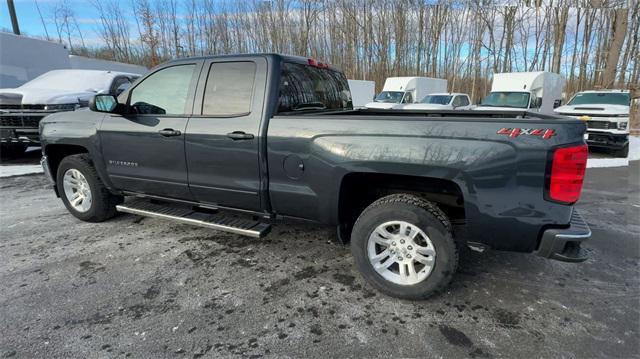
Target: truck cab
(606, 113)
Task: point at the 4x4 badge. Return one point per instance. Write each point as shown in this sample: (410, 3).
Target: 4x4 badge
(545, 133)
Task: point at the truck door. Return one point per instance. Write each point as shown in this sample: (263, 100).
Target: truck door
(144, 150)
(223, 136)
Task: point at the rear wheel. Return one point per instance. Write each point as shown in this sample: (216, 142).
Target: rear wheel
(82, 191)
(403, 246)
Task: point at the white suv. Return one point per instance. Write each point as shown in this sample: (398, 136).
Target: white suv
(606, 113)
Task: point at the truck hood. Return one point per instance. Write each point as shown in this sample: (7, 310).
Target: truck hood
(36, 96)
(593, 109)
(427, 106)
(382, 105)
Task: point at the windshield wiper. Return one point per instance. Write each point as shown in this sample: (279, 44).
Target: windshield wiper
(309, 106)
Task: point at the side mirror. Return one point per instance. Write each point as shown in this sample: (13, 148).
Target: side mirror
(538, 102)
(103, 103)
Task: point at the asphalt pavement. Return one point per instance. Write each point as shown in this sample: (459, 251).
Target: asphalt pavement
(146, 288)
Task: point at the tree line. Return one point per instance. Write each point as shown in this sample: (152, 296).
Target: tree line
(593, 43)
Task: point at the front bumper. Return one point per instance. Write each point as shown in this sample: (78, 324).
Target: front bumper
(607, 139)
(563, 244)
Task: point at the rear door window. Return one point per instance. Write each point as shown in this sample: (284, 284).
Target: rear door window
(229, 89)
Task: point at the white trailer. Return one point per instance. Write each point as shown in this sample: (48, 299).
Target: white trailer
(399, 91)
(531, 91)
(22, 59)
(362, 92)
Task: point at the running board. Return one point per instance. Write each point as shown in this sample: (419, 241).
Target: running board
(187, 215)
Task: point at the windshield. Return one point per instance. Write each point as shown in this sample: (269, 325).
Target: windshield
(389, 96)
(437, 99)
(506, 99)
(601, 98)
(309, 88)
(72, 80)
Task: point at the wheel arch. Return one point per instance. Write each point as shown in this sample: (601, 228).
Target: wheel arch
(354, 196)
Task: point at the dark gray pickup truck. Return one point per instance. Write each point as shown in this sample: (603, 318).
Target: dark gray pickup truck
(235, 143)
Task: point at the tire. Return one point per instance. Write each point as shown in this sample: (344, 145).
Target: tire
(423, 216)
(622, 152)
(102, 202)
(8, 150)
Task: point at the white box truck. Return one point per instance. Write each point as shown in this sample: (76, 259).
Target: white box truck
(362, 92)
(530, 91)
(399, 91)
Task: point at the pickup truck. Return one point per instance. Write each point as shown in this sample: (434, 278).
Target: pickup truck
(606, 113)
(236, 143)
(22, 108)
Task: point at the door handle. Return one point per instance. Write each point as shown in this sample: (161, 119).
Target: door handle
(169, 132)
(239, 135)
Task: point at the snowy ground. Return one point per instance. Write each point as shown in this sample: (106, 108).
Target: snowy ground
(149, 288)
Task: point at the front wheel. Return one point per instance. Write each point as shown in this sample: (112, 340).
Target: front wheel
(403, 246)
(82, 190)
(622, 152)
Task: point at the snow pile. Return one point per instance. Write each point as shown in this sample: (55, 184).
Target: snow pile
(19, 170)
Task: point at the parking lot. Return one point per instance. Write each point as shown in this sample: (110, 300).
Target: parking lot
(134, 287)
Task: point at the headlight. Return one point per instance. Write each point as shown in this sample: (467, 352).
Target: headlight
(62, 107)
(622, 125)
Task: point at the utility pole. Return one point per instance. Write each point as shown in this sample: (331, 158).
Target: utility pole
(14, 18)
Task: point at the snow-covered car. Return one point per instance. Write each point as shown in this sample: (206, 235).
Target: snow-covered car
(442, 101)
(606, 113)
(22, 108)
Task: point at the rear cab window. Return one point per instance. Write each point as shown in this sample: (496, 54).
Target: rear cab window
(306, 88)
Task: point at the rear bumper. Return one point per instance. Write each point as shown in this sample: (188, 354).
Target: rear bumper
(564, 244)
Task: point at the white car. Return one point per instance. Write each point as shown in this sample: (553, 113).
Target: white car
(442, 101)
(606, 113)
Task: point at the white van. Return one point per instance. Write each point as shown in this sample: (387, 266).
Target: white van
(530, 91)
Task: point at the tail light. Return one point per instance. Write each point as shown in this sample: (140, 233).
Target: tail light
(567, 173)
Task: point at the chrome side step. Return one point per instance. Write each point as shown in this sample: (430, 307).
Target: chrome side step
(187, 215)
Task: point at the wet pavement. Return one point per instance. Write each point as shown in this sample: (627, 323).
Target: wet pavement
(134, 287)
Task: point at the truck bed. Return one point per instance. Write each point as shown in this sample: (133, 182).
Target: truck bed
(501, 176)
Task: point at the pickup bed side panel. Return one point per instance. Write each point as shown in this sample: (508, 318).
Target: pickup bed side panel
(502, 178)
